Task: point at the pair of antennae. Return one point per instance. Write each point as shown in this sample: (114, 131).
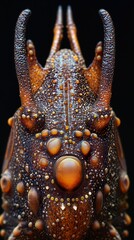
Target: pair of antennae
(72, 33)
(107, 66)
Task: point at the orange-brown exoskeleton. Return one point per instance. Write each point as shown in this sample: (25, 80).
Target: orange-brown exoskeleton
(64, 174)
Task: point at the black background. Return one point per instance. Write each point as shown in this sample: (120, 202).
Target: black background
(90, 31)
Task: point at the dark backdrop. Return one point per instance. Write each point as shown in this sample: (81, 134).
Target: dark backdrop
(90, 31)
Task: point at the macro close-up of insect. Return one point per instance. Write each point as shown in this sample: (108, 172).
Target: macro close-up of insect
(64, 174)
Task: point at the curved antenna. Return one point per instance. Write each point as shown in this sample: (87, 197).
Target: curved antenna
(58, 28)
(21, 59)
(108, 60)
(72, 34)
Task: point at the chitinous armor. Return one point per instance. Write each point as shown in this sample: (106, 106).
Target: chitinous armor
(64, 174)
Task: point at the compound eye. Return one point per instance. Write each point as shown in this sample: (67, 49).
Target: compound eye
(100, 119)
(32, 120)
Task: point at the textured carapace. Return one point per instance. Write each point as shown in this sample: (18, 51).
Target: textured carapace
(64, 174)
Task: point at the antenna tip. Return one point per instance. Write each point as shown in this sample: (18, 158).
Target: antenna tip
(59, 15)
(69, 15)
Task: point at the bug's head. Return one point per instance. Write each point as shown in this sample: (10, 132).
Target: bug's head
(66, 87)
(31, 74)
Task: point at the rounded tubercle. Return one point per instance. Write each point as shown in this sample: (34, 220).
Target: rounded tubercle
(68, 172)
(32, 119)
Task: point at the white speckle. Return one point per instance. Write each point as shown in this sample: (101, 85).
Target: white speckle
(63, 206)
(75, 207)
